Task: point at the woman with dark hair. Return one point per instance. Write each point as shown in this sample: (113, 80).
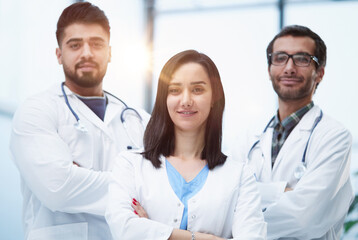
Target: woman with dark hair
(188, 189)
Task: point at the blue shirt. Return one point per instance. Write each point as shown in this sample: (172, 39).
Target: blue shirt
(185, 190)
(98, 105)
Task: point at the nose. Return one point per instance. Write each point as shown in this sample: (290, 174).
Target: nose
(87, 51)
(290, 67)
(186, 100)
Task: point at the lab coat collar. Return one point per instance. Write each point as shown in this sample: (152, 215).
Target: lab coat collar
(114, 107)
(266, 140)
(298, 134)
(56, 89)
(80, 107)
(308, 119)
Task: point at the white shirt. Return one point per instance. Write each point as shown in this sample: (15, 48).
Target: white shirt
(318, 204)
(61, 200)
(228, 205)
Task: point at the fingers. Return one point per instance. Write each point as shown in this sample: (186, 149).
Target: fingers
(74, 163)
(138, 209)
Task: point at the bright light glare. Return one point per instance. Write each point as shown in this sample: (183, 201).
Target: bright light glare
(136, 57)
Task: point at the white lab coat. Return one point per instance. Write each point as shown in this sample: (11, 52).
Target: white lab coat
(62, 200)
(228, 205)
(318, 204)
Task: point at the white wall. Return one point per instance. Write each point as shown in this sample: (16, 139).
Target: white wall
(27, 45)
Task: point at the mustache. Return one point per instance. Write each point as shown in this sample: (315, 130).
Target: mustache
(78, 65)
(294, 77)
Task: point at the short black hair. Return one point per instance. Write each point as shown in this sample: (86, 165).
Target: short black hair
(301, 31)
(159, 136)
(81, 12)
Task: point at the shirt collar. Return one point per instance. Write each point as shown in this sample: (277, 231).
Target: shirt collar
(291, 121)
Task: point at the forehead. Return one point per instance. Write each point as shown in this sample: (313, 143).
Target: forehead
(85, 31)
(190, 72)
(292, 45)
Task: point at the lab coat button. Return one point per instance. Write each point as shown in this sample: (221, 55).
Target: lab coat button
(193, 217)
(179, 204)
(175, 220)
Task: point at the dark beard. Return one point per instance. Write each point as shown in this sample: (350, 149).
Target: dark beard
(297, 94)
(87, 80)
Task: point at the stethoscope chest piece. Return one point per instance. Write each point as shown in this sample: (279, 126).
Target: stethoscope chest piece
(80, 127)
(300, 170)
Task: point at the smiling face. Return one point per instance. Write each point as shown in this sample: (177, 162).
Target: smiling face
(290, 82)
(189, 98)
(84, 54)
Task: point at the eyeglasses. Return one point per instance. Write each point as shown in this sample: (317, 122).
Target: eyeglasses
(299, 59)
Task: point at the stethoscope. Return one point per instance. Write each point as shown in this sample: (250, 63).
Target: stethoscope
(302, 166)
(82, 128)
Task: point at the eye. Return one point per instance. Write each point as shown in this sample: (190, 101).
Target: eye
(280, 58)
(97, 44)
(174, 90)
(302, 59)
(198, 90)
(75, 46)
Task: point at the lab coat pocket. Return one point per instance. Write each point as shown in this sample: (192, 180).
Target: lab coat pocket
(73, 231)
(80, 144)
(219, 210)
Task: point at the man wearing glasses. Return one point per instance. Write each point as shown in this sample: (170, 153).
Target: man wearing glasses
(302, 158)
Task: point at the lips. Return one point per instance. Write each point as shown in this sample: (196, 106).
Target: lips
(290, 80)
(86, 66)
(187, 113)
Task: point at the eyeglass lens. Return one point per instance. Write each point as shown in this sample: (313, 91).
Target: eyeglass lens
(302, 60)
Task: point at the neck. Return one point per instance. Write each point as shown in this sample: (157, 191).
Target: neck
(189, 145)
(287, 107)
(85, 91)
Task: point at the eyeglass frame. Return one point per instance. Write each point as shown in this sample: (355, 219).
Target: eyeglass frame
(314, 58)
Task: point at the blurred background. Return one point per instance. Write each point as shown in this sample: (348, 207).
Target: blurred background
(146, 33)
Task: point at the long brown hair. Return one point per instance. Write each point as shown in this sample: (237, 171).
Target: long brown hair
(159, 134)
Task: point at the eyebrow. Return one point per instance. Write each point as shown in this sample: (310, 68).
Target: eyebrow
(74, 40)
(192, 83)
(307, 53)
(81, 39)
(97, 39)
(292, 54)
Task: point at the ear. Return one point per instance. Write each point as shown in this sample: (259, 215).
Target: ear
(268, 71)
(320, 74)
(110, 54)
(59, 55)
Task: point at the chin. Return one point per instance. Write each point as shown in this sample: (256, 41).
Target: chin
(190, 128)
(88, 80)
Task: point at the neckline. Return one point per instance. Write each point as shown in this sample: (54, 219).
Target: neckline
(204, 170)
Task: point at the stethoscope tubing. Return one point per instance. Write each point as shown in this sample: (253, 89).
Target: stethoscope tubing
(68, 103)
(126, 108)
(258, 141)
(318, 119)
(309, 138)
